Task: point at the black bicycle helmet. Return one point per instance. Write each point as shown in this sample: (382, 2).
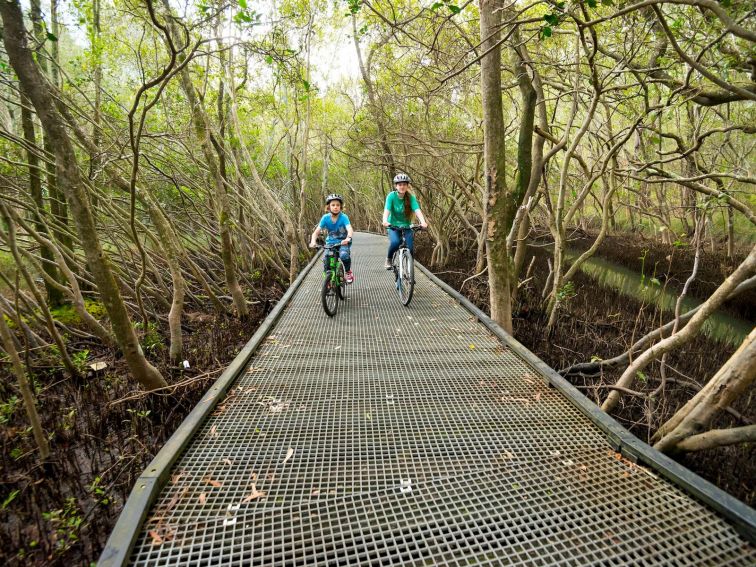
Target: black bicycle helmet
(335, 197)
(402, 178)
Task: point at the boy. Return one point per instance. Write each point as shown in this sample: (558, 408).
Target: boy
(339, 231)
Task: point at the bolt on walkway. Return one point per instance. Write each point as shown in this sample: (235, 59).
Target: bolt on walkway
(409, 436)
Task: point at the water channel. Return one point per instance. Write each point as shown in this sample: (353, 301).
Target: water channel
(721, 326)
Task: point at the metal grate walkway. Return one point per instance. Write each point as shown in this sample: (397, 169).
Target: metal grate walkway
(409, 436)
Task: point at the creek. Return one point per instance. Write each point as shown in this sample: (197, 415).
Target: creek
(720, 326)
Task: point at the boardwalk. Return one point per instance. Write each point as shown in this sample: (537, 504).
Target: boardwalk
(409, 436)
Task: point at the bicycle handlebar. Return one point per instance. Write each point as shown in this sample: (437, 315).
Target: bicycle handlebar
(410, 227)
(327, 246)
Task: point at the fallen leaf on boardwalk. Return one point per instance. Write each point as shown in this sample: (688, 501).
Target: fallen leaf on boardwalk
(337, 348)
(538, 396)
(162, 511)
(253, 495)
(213, 482)
(228, 461)
(511, 399)
(156, 539)
(315, 492)
(214, 431)
(506, 455)
(567, 463)
(472, 347)
(289, 453)
(203, 498)
(175, 477)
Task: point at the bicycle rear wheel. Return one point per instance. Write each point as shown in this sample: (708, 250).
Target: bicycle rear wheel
(328, 294)
(406, 277)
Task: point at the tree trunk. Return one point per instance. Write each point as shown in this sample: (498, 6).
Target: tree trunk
(26, 391)
(72, 184)
(529, 150)
(204, 136)
(11, 241)
(54, 296)
(375, 110)
(734, 378)
(498, 206)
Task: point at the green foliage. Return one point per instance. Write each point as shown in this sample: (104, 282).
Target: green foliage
(453, 8)
(566, 292)
(98, 492)
(66, 523)
(95, 309)
(246, 16)
(552, 20)
(151, 339)
(10, 322)
(354, 7)
(66, 314)
(9, 499)
(69, 419)
(7, 408)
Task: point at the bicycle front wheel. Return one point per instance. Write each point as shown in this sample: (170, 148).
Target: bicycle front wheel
(341, 288)
(328, 294)
(406, 277)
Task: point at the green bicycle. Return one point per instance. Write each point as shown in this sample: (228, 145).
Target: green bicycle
(334, 279)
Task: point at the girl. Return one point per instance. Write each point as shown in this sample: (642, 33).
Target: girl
(400, 205)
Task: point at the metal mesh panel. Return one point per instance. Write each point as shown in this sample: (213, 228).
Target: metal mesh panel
(410, 436)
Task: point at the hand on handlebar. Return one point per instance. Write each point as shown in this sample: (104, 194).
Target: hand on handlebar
(386, 224)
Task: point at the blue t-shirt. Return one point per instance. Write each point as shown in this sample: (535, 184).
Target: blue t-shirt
(337, 231)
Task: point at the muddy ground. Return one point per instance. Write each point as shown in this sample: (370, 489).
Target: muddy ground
(104, 432)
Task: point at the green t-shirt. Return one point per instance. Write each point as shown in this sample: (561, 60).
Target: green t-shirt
(395, 206)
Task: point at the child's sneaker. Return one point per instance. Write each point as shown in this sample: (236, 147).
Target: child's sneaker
(387, 264)
(349, 277)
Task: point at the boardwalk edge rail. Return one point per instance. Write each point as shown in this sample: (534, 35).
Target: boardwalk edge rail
(741, 515)
(122, 538)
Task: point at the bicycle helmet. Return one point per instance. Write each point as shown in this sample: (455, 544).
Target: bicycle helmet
(402, 178)
(335, 197)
